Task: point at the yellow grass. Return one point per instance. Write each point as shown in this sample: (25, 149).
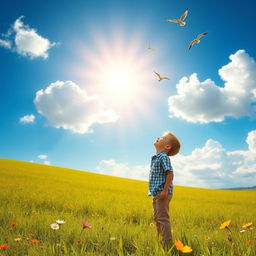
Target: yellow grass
(119, 210)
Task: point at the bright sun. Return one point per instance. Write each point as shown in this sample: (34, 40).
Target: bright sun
(118, 71)
(120, 82)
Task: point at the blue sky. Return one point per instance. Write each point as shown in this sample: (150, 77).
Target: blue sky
(78, 88)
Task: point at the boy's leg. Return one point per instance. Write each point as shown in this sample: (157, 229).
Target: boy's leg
(155, 215)
(162, 209)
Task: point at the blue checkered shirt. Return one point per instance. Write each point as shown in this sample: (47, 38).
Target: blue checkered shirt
(160, 164)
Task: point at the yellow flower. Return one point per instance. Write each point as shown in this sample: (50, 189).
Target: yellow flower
(247, 225)
(225, 224)
(17, 239)
(151, 225)
(186, 249)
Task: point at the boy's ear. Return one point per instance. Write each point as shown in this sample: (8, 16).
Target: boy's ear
(168, 147)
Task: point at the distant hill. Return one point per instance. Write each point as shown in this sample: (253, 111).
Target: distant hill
(241, 188)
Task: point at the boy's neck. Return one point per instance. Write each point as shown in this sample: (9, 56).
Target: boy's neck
(160, 150)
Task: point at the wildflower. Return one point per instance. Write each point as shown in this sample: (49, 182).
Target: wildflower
(225, 224)
(242, 231)
(4, 246)
(78, 241)
(17, 239)
(60, 222)
(180, 247)
(13, 224)
(112, 238)
(249, 242)
(86, 224)
(35, 241)
(55, 226)
(151, 225)
(247, 225)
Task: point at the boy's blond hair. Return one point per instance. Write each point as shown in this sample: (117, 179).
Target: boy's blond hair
(174, 142)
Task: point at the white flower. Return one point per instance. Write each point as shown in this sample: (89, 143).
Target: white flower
(242, 231)
(60, 222)
(55, 226)
(112, 238)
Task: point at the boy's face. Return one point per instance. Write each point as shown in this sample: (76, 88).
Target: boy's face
(163, 143)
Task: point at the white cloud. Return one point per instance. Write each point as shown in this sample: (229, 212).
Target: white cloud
(67, 106)
(43, 157)
(213, 166)
(5, 44)
(204, 102)
(26, 41)
(111, 167)
(27, 119)
(210, 166)
(47, 162)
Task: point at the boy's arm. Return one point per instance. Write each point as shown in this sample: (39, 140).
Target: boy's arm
(167, 184)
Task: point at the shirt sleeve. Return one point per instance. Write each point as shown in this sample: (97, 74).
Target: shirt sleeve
(166, 163)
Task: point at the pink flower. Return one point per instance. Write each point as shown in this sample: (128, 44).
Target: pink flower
(86, 224)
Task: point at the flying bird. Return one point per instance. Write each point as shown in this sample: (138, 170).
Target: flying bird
(196, 40)
(150, 48)
(160, 78)
(181, 21)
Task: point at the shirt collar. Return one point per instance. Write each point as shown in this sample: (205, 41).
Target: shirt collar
(158, 154)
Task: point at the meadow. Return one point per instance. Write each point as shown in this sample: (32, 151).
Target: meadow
(33, 196)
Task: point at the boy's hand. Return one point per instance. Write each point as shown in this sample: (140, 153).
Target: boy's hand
(163, 194)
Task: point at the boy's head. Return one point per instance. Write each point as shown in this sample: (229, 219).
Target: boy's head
(167, 143)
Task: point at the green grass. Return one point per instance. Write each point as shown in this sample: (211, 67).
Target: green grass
(119, 210)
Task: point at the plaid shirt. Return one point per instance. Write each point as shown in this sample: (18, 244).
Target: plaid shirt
(160, 164)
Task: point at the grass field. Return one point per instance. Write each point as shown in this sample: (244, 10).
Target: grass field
(33, 196)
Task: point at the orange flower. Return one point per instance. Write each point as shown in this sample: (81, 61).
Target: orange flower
(78, 241)
(4, 246)
(13, 224)
(35, 241)
(178, 244)
(247, 225)
(249, 242)
(225, 224)
(180, 247)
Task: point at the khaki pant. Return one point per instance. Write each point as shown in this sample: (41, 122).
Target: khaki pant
(161, 217)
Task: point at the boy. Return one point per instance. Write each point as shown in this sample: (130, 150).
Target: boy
(160, 183)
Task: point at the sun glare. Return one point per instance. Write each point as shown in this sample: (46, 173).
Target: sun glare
(119, 71)
(119, 82)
